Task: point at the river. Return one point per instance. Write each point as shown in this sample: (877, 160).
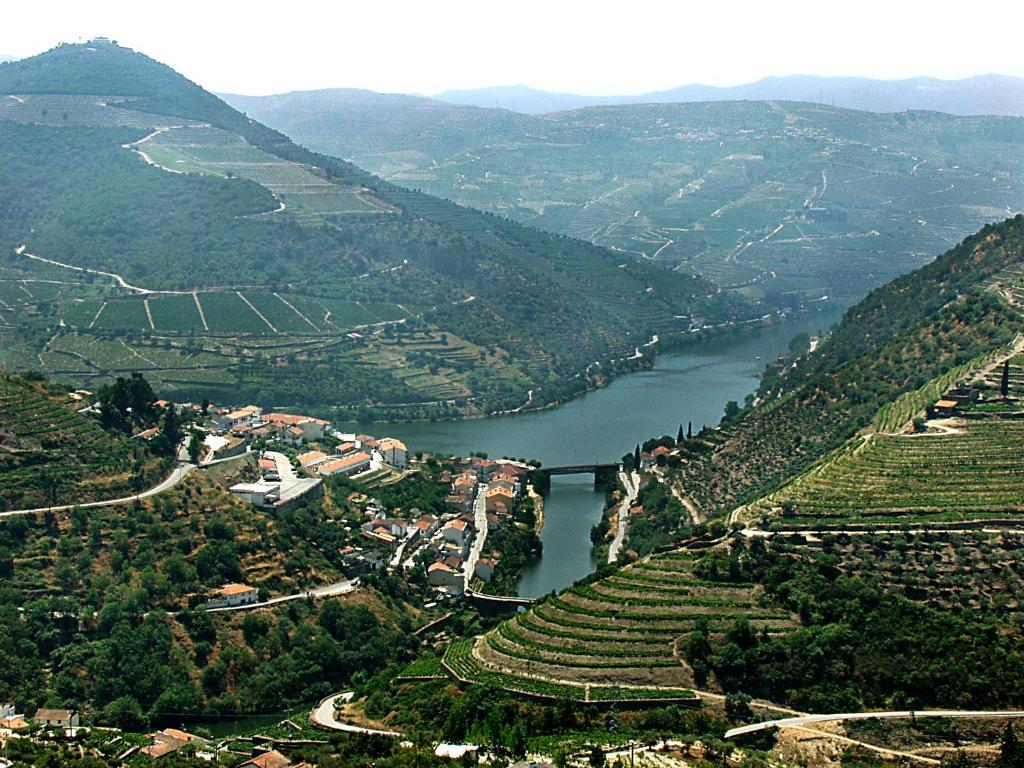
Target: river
(689, 386)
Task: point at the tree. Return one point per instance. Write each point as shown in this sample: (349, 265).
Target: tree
(1004, 382)
(1010, 753)
(679, 435)
(732, 412)
(194, 447)
(597, 759)
(689, 430)
(125, 713)
(636, 458)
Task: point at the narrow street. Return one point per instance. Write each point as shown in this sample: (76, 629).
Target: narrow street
(631, 482)
(480, 522)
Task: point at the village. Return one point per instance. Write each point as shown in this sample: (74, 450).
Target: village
(297, 455)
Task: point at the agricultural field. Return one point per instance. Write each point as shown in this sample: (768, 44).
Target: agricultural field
(51, 454)
(620, 632)
(211, 150)
(969, 570)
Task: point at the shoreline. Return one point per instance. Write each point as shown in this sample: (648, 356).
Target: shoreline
(677, 342)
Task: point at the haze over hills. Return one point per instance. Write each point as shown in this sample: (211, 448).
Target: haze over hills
(145, 223)
(788, 201)
(980, 95)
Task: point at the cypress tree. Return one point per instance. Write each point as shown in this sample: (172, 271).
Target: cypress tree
(636, 458)
(1010, 755)
(1004, 383)
(689, 430)
(679, 436)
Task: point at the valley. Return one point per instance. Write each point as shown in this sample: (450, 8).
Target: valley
(682, 434)
(781, 201)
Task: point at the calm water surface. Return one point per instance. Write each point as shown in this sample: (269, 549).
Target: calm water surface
(601, 426)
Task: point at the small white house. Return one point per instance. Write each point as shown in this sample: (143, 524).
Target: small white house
(231, 595)
(393, 452)
(255, 493)
(455, 532)
(60, 718)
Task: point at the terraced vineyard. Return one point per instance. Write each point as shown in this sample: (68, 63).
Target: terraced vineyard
(50, 454)
(617, 636)
(209, 150)
(975, 473)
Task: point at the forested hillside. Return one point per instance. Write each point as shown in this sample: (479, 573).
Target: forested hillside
(146, 224)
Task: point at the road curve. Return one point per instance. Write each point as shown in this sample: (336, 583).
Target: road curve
(172, 480)
(809, 719)
(323, 716)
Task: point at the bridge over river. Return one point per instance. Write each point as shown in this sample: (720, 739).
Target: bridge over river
(604, 475)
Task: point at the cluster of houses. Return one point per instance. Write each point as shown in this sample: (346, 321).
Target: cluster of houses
(232, 432)
(66, 722)
(355, 455)
(480, 492)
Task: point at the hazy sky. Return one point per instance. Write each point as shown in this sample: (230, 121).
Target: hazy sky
(591, 47)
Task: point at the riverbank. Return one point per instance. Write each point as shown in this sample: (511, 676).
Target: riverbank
(607, 372)
(690, 385)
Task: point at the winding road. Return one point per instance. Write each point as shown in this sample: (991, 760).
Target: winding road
(323, 716)
(890, 715)
(179, 474)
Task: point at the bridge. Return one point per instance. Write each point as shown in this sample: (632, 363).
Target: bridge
(496, 604)
(604, 475)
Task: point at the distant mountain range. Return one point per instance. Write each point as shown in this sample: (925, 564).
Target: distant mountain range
(982, 95)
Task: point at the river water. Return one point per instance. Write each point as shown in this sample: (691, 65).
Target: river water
(601, 426)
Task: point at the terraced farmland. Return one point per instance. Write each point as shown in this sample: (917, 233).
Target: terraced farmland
(214, 151)
(973, 473)
(617, 633)
(51, 454)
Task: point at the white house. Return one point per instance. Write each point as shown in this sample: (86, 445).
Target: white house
(455, 532)
(485, 568)
(255, 493)
(441, 575)
(62, 718)
(231, 595)
(393, 452)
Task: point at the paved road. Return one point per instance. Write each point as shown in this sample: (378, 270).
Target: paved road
(285, 470)
(327, 590)
(902, 714)
(480, 522)
(631, 482)
(323, 715)
(172, 480)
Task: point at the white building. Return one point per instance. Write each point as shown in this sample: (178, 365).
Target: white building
(393, 452)
(231, 595)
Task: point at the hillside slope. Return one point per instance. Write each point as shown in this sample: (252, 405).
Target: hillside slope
(146, 224)
(51, 454)
(782, 201)
(759, 615)
(899, 338)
